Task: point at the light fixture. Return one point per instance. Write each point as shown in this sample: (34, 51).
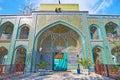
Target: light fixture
(40, 49)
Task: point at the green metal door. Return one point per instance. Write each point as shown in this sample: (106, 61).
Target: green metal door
(60, 61)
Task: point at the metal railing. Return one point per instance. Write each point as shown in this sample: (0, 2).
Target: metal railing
(108, 70)
(11, 71)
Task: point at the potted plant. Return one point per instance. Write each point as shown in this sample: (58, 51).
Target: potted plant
(42, 66)
(85, 62)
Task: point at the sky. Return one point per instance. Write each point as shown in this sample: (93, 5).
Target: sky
(93, 6)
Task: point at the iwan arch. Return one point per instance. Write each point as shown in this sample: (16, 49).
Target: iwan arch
(59, 38)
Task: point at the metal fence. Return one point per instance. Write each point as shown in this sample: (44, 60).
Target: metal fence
(112, 71)
(8, 71)
(11, 71)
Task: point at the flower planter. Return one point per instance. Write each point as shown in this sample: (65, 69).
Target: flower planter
(85, 71)
(42, 72)
(42, 66)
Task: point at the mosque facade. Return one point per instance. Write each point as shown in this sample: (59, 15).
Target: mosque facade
(58, 34)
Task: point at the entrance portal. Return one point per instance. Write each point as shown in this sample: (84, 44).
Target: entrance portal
(56, 45)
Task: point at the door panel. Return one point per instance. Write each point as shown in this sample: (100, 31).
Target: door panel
(60, 61)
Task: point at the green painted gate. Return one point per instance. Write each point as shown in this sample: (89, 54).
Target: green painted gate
(60, 63)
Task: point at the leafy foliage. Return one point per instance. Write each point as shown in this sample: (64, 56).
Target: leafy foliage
(115, 68)
(85, 62)
(42, 64)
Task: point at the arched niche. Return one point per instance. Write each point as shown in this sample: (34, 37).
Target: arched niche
(23, 32)
(95, 32)
(3, 52)
(96, 53)
(6, 30)
(112, 30)
(116, 54)
(3, 58)
(19, 59)
(98, 58)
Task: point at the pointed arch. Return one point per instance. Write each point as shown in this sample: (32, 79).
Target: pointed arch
(115, 54)
(55, 26)
(97, 52)
(19, 58)
(98, 56)
(6, 30)
(76, 29)
(112, 29)
(60, 22)
(23, 31)
(94, 31)
(3, 52)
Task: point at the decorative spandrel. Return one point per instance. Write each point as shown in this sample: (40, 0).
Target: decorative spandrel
(44, 20)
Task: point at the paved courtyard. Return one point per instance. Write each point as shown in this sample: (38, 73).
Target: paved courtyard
(60, 76)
